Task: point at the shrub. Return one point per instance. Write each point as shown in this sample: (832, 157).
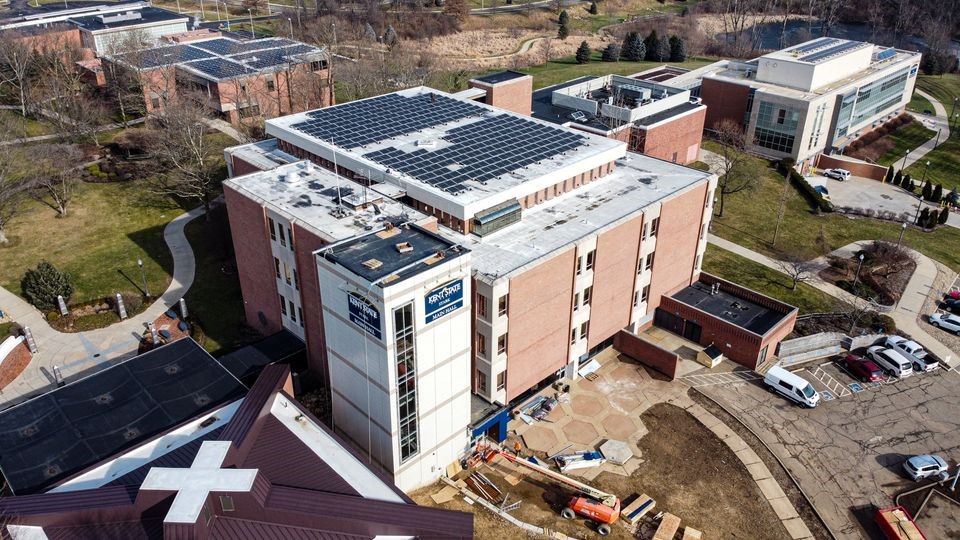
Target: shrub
(563, 31)
(593, 8)
(898, 178)
(583, 53)
(390, 36)
(816, 201)
(927, 192)
(652, 44)
(678, 52)
(923, 218)
(937, 193)
(633, 48)
(944, 214)
(564, 18)
(887, 178)
(611, 53)
(133, 302)
(43, 284)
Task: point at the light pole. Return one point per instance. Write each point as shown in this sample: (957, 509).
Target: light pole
(226, 13)
(178, 6)
(924, 177)
(202, 14)
(954, 108)
(253, 33)
(904, 164)
(289, 20)
(903, 229)
(143, 276)
(856, 277)
(216, 4)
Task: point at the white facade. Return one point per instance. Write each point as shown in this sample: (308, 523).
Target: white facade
(365, 373)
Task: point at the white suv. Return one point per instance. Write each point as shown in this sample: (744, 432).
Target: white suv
(837, 174)
(891, 360)
(947, 321)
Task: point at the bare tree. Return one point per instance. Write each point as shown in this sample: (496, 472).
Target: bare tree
(733, 176)
(829, 13)
(53, 175)
(189, 162)
(546, 49)
(13, 189)
(17, 63)
(796, 267)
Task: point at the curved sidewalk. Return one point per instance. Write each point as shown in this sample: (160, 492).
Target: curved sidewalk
(940, 123)
(79, 352)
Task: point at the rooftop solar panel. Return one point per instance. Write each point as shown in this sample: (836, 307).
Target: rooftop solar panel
(220, 68)
(164, 56)
(814, 45)
(832, 51)
(272, 57)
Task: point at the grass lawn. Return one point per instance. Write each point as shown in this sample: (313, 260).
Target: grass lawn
(107, 228)
(749, 216)
(22, 127)
(906, 137)
(945, 160)
(737, 269)
(564, 69)
(5, 330)
(944, 88)
(214, 298)
(919, 104)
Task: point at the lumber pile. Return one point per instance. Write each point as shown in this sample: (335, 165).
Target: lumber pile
(689, 533)
(637, 509)
(481, 485)
(669, 524)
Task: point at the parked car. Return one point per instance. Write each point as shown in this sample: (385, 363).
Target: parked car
(947, 321)
(792, 386)
(891, 361)
(925, 364)
(837, 174)
(951, 304)
(925, 466)
(863, 369)
(903, 344)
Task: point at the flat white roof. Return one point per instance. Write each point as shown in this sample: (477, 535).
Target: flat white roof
(307, 194)
(445, 145)
(559, 223)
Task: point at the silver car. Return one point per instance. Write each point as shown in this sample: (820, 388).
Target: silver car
(946, 321)
(925, 466)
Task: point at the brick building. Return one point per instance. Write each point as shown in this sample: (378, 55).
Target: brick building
(266, 77)
(551, 240)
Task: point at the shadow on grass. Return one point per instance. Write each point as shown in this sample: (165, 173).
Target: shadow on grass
(151, 241)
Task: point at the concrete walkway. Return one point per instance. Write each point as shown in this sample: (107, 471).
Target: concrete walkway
(940, 122)
(85, 352)
(907, 311)
(227, 129)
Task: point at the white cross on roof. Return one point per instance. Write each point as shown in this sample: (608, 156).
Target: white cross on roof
(193, 485)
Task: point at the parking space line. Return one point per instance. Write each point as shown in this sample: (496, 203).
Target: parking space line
(710, 379)
(833, 385)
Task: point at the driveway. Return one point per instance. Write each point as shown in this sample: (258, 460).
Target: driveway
(847, 453)
(859, 192)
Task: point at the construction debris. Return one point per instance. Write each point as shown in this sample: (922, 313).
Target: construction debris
(637, 509)
(617, 452)
(444, 495)
(669, 524)
(580, 460)
(689, 533)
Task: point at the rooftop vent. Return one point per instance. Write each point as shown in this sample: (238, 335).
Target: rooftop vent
(372, 264)
(404, 247)
(427, 143)
(120, 17)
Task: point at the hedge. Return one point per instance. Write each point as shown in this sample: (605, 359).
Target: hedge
(817, 202)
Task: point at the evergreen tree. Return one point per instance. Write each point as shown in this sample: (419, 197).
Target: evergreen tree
(583, 53)
(564, 18)
(593, 8)
(887, 178)
(390, 36)
(368, 33)
(944, 214)
(42, 285)
(563, 32)
(932, 219)
(898, 178)
(611, 53)
(633, 48)
(907, 182)
(924, 216)
(652, 44)
(663, 51)
(678, 52)
(927, 192)
(937, 194)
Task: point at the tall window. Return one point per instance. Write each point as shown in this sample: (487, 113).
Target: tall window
(587, 294)
(501, 380)
(590, 258)
(283, 239)
(300, 313)
(502, 344)
(293, 311)
(481, 345)
(286, 274)
(654, 226)
(406, 380)
(504, 303)
(481, 382)
(576, 301)
(645, 295)
(481, 305)
(579, 265)
(296, 279)
(283, 305)
(573, 336)
(273, 233)
(649, 262)
(584, 328)
(276, 263)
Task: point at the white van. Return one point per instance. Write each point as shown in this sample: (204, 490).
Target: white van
(792, 386)
(891, 360)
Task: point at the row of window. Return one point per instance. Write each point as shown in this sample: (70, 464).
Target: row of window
(503, 303)
(292, 312)
(584, 328)
(406, 381)
(482, 381)
(587, 295)
(281, 233)
(590, 260)
(482, 344)
(286, 275)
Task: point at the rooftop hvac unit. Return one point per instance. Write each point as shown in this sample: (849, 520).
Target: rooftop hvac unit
(120, 17)
(427, 143)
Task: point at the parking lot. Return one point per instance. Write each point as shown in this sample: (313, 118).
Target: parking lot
(848, 452)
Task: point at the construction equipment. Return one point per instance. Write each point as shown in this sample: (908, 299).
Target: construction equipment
(599, 506)
(897, 524)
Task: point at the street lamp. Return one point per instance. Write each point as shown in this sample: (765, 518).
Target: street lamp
(904, 164)
(253, 33)
(289, 20)
(924, 177)
(226, 13)
(954, 108)
(178, 7)
(903, 229)
(202, 14)
(216, 4)
(856, 277)
(143, 276)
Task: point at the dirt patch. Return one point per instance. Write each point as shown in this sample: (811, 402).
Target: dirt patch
(686, 469)
(14, 364)
(883, 285)
(800, 503)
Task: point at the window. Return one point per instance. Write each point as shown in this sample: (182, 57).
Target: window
(781, 116)
(583, 330)
(590, 257)
(481, 305)
(481, 382)
(318, 65)
(646, 230)
(271, 86)
(636, 298)
(696, 265)
(300, 314)
(286, 274)
(293, 311)
(576, 301)
(276, 263)
(273, 233)
(155, 102)
(579, 265)
(654, 226)
(501, 380)
(648, 264)
(645, 294)
(283, 240)
(502, 344)
(573, 336)
(587, 293)
(504, 304)
(296, 279)
(406, 381)
(481, 345)
(283, 305)
(703, 231)
(290, 236)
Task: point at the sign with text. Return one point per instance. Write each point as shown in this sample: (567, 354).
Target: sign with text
(364, 314)
(444, 300)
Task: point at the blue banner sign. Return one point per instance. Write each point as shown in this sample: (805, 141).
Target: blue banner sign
(444, 300)
(364, 314)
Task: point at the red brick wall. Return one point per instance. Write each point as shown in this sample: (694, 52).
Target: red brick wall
(614, 276)
(255, 268)
(293, 92)
(515, 95)
(866, 170)
(539, 322)
(677, 140)
(743, 346)
(677, 240)
(306, 243)
(241, 167)
(647, 353)
(724, 100)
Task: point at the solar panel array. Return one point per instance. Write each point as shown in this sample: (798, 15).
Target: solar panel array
(228, 47)
(814, 45)
(480, 151)
(164, 56)
(886, 54)
(272, 57)
(360, 123)
(220, 68)
(832, 51)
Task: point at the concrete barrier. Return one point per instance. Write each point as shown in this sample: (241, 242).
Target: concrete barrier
(647, 353)
(8, 346)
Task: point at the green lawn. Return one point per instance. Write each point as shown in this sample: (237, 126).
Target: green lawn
(919, 104)
(944, 88)
(749, 217)
(214, 298)
(22, 127)
(564, 69)
(906, 137)
(945, 160)
(107, 228)
(742, 271)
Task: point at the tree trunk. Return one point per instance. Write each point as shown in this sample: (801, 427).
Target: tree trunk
(722, 198)
(3, 236)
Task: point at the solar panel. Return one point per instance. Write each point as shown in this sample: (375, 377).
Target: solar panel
(886, 54)
(226, 46)
(272, 57)
(814, 45)
(833, 51)
(164, 56)
(220, 68)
